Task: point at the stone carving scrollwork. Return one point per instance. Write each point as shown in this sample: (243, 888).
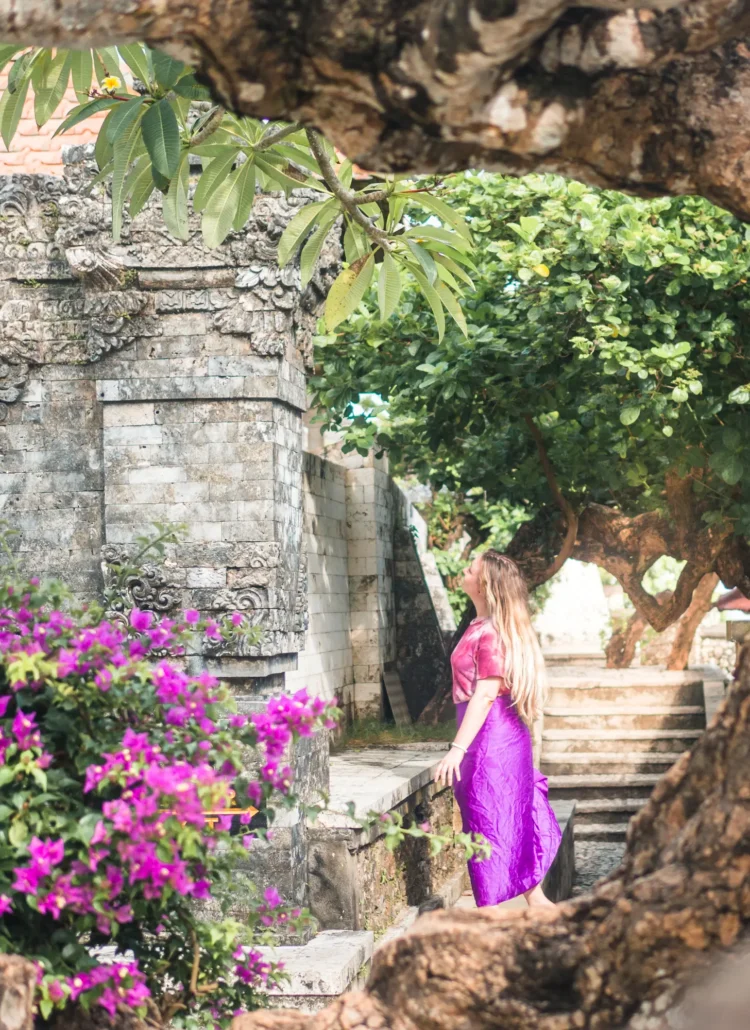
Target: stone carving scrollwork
(95, 268)
(126, 587)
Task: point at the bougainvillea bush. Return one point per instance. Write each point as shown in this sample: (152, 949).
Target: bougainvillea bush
(110, 757)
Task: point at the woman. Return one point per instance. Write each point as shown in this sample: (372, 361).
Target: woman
(498, 687)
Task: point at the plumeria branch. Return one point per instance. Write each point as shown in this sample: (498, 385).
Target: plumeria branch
(349, 199)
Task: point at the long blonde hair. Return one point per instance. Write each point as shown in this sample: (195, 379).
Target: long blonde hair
(508, 602)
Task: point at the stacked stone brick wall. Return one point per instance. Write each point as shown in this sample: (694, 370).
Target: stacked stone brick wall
(325, 664)
(36, 150)
(370, 526)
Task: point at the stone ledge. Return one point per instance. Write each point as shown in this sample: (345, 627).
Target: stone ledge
(333, 962)
(376, 780)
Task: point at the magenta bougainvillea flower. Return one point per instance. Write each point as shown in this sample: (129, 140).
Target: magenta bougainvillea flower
(114, 759)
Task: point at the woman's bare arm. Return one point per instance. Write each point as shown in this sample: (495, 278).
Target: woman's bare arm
(477, 710)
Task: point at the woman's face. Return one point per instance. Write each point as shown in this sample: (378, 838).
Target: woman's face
(471, 582)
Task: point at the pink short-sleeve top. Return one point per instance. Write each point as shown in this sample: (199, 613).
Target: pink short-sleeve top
(480, 655)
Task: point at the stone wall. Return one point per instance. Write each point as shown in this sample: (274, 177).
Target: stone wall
(157, 381)
(375, 597)
(325, 664)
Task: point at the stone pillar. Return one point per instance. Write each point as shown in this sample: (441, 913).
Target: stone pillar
(158, 381)
(370, 521)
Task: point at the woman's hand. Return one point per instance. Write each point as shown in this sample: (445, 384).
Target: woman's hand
(449, 768)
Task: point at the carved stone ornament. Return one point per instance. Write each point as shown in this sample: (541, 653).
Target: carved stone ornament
(95, 268)
(125, 588)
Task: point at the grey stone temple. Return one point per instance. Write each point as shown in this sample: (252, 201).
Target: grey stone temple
(157, 381)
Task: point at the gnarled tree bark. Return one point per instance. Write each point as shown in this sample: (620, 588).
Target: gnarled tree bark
(621, 956)
(653, 100)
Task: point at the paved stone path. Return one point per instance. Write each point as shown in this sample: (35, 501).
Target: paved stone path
(595, 860)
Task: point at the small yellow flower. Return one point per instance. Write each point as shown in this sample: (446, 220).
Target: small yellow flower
(111, 83)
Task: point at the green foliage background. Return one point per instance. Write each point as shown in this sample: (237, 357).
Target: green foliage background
(619, 324)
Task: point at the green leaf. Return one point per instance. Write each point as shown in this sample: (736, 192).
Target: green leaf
(433, 299)
(84, 111)
(454, 268)
(110, 60)
(21, 66)
(161, 134)
(212, 176)
(12, 111)
(45, 1007)
(733, 470)
(347, 291)
(389, 286)
(167, 70)
(245, 194)
(127, 111)
(454, 308)
(124, 153)
(103, 148)
(134, 56)
(425, 259)
(356, 244)
(47, 100)
(286, 182)
(38, 68)
(297, 155)
(139, 185)
(18, 833)
(439, 236)
(345, 173)
(82, 68)
(298, 226)
(174, 206)
(189, 87)
(218, 216)
(731, 438)
(7, 50)
(311, 250)
(630, 414)
(444, 211)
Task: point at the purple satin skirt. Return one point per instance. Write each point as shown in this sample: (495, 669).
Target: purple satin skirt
(502, 796)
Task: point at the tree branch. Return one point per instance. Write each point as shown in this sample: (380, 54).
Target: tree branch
(571, 518)
(345, 196)
(209, 127)
(275, 135)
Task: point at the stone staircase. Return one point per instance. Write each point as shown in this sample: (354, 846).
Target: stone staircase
(610, 734)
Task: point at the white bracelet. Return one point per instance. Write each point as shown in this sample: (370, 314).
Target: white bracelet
(459, 747)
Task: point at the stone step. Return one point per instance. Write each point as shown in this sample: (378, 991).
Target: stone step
(562, 763)
(590, 740)
(607, 810)
(601, 831)
(581, 693)
(603, 786)
(333, 962)
(625, 717)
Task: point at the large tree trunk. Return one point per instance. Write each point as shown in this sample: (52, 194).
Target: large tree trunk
(688, 623)
(654, 100)
(621, 956)
(627, 546)
(620, 650)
